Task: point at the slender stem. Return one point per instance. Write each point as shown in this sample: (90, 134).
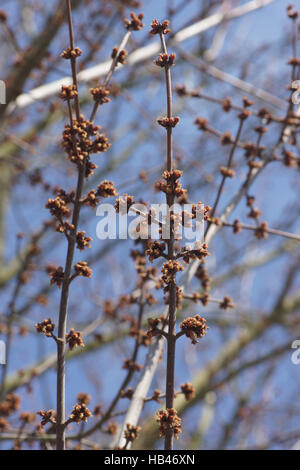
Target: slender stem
(171, 340)
(109, 413)
(229, 163)
(63, 309)
(272, 231)
(113, 66)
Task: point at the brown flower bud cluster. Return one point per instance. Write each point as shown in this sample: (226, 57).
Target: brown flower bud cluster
(291, 12)
(156, 250)
(237, 226)
(135, 23)
(121, 59)
(74, 339)
(48, 416)
(243, 115)
(167, 122)
(27, 417)
(289, 158)
(226, 138)
(4, 426)
(131, 365)
(112, 429)
(9, 405)
(80, 413)
(194, 327)
(124, 203)
(106, 189)
(82, 269)
(82, 139)
(65, 227)
(247, 103)
(226, 303)
(157, 396)
(168, 419)
(100, 95)
(170, 186)
(68, 92)
(203, 276)
(188, 390)
(169, 271)
(131, 432)
(153, 324)
(127, 393)
(165, 60)
(261, 231)
(46, 327)
(199, 253)
(71, 53)
(201, 123)
(82, 241)
(227, 172)
(160, 28)
(57, 276)
(58, 208)
(3, 16)
(83, 398)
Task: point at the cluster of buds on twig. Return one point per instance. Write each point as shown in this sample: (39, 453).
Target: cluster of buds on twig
(292, 12)
(120, 56)
(82, 241)
(100, 95)
(83, 398)
(124, 203)
(27, 417)
(153, 326)
(261, 231)
(74, 339)
(56, 275)
(131, 432)
(81, 139)
(165, 60)
(187, 253)
(227, 172)
(48, 416)
(167, 122)
(160, 28)
(156, 250)
(135, 23)
(71, 53)
(131, 365)
(171, 185)
(168, 419)
(194, 327)
(68, 92)
(226, 303)
(9, 405)
(58, 207)
(106, 189)
(46, 327)
(169, 271)
(80, 413)
(82, 269)
(188, 390)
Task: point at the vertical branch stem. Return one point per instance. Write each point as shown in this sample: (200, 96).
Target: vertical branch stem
(171, 341)
(63, 309)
